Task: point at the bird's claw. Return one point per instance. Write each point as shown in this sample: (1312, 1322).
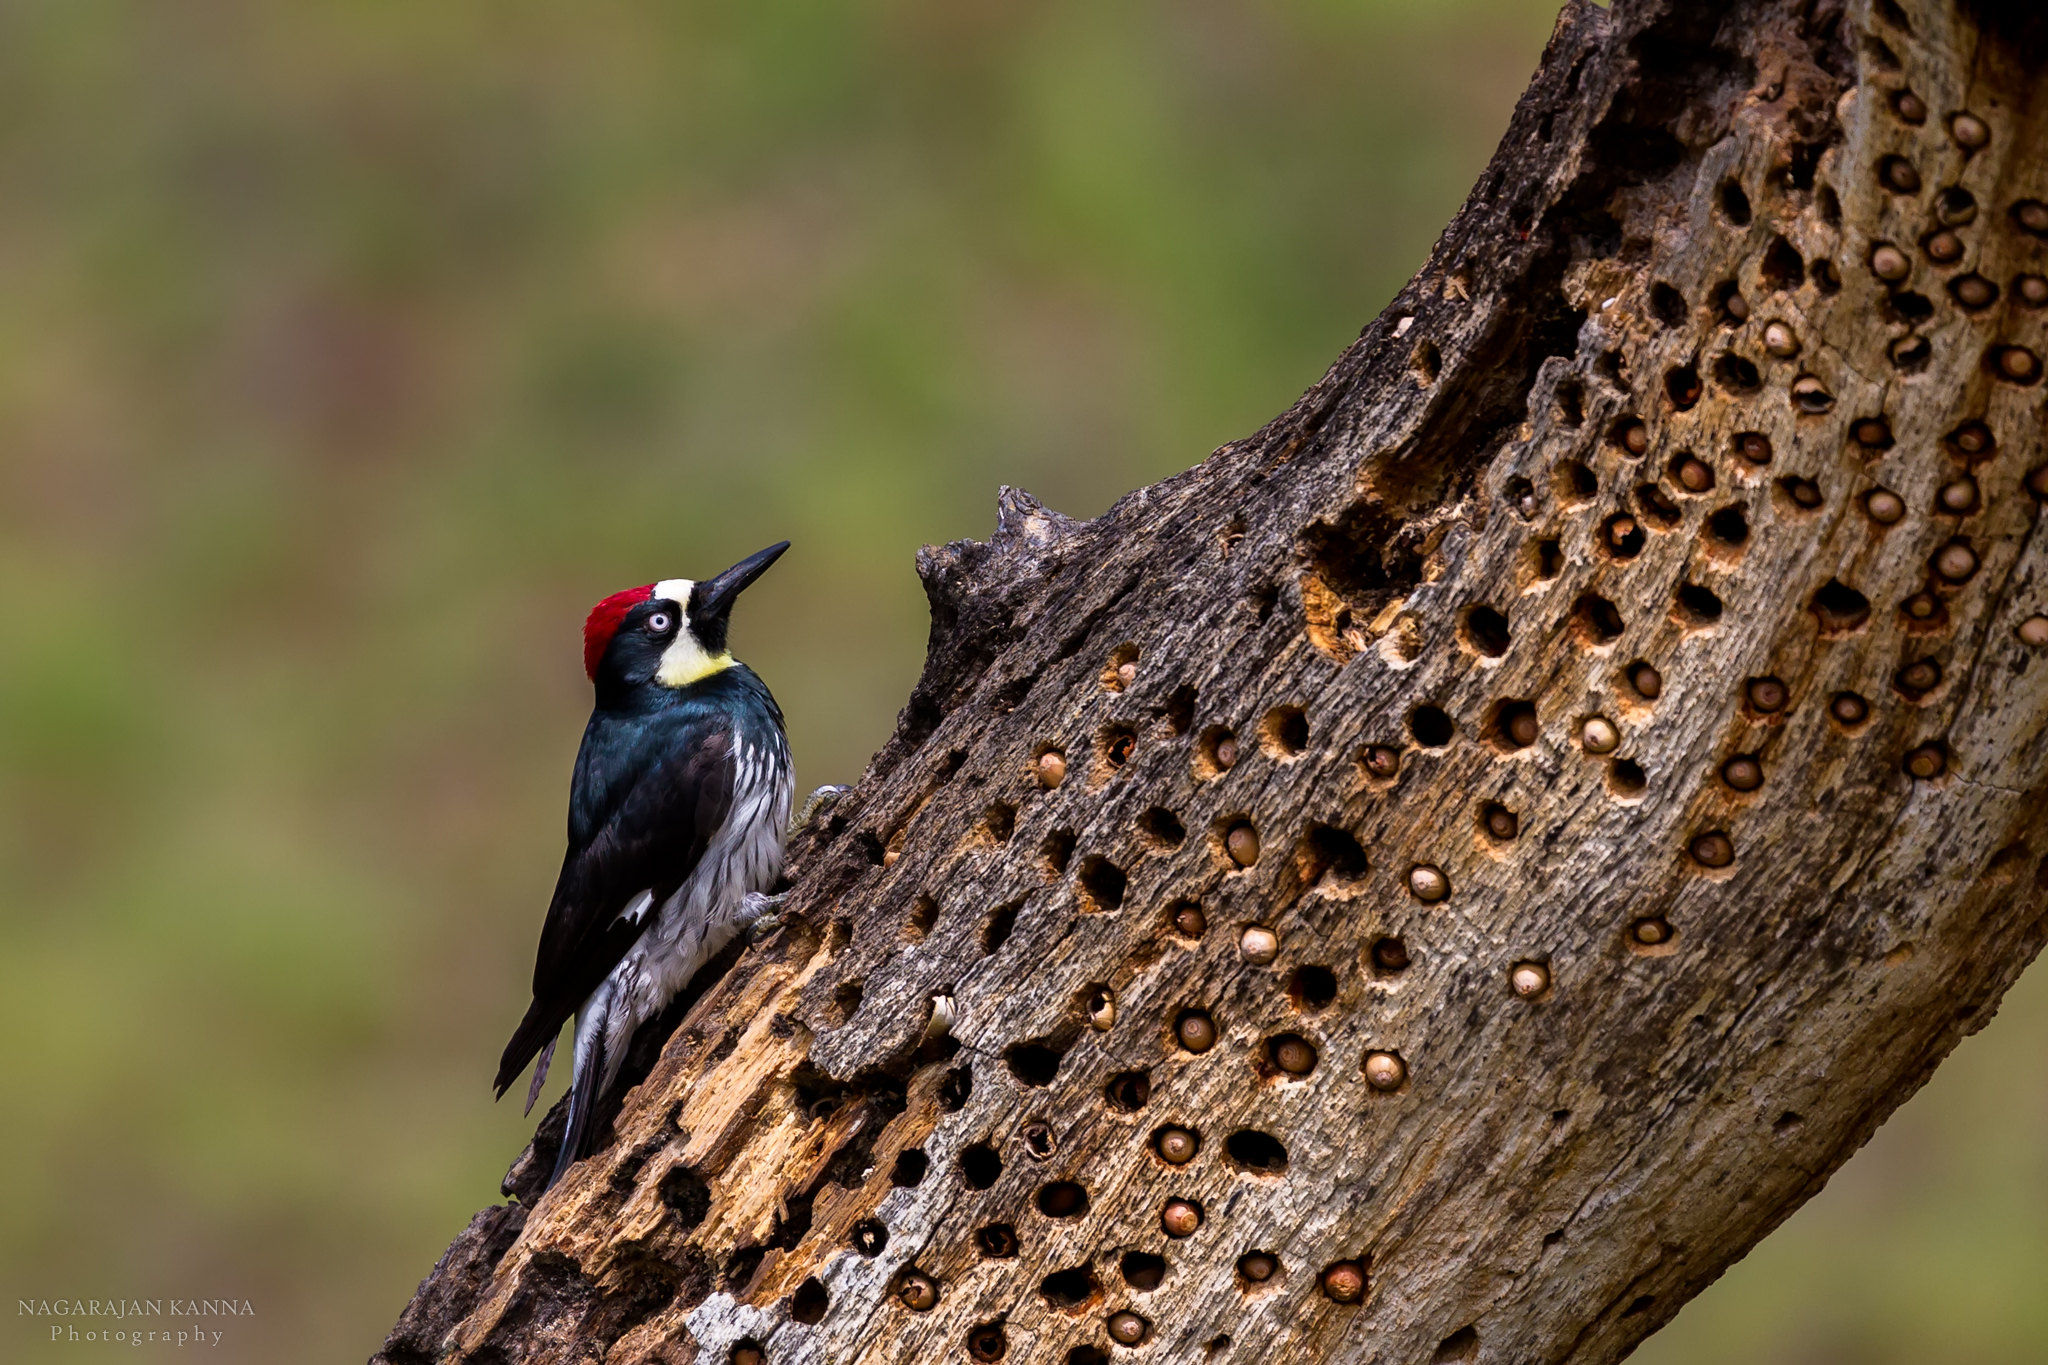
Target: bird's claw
(817, 803)
(762, 913)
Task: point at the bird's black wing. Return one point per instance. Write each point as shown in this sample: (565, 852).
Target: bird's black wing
(650, 799)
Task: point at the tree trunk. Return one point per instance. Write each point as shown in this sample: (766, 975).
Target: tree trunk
(1442, 878)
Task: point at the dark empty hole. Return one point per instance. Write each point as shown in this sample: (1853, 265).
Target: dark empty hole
(1334, 851)
(997, 1241)
(810, 1301)
(1547, 559)
(1641, 1304)
(1909, 307)
(1486, 630)
(1000, 820)
(1143, 1271)
(1575, 482)
(1668, 304)
(1733, 202)
(1736, 374)
(1781, 269)
(1128, 1091)
(1103, 882)
(1514, 724)
(924, 913)
(1682, 386)
(1033, 1063)
(1571, 401)
(1462, 1344)
(980, 1166)
(1825, 277)
(1520, 495)
(1610, 367)
(1427, 361)
(1830, 205)
(1001, 921)
(988, 1341)
(1068, 1288)
(954, 1089)
(686, 1195)
(1627, 776)
(1787, 1121)
(1431, 727)
(1698, 606)
(1729, 526)
(1179, 711)
(1256, 1151)
(1087, 1355)
(911, 1164)
(1057, 851)
(1287, 730)
(1163, 827)
(1598, 620)
(1312, 987)
(846, 999)
(1839, 608)
(1062, 1199)
(1621, 535)
(870, 1237)
(1117, 743)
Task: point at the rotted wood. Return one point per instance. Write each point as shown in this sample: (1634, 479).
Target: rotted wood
(1443, 877)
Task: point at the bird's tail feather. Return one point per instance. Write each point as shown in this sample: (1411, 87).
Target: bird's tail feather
(583, 1092)
(540, 1072)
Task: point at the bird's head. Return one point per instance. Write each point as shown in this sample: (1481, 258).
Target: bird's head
(670, 633)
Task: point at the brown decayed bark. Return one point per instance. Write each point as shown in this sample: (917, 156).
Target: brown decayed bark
(1518, 823)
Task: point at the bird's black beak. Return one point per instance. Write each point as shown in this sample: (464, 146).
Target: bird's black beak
(715, 596)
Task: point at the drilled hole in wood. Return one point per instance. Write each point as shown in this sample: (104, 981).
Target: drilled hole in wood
(915, 1290)
(1485, 631)
(1520, 496)
(1729, 304)
(1743, 773)
(1923, 614)
(1696, 607)
(1839, 609)
(999, 822)
(747, 1351)
(1284, 732)
(924, 913)
(997, 1241)
(1175, 1145)
(1143, 1271)
(1425, 362)
(810, 1301)
(954, 1089)
(987, 1341)
(1389, 957)
(2031, 289)
(996, 931)
(1039, 1140)
(1667, 305)
(1178, 711)
(1954, 562)
(911, 1164)
(1326, 850)
(1431, 727)
(1621, 536)
(870, 1237)
(1596, 622)
(1049, 766)
(1236, 841)
(1546, 560)
(1927, 761)
(1179, 1217)
(1691, 473)
(1800, 494)
(1511, 725)
(1101, 885)
(1258, 1267)
(846, 998)
(1652, 936)
(2031, 216)
(1037, 1062)
(1958, 497)
(1575, 484)
(1810, 396)
(980, 1166)
(1625, 777)
(1751, 447)
(1062, 1199)
(1070, 1290)
(1128, 1091)
(1897, 174)
(1312, 988)
(1912, 308)
(1122, 669)
(1251, 1150)
(1194, 1030)
(1728, 527)
(1056, 851)
(1462, 1344)
(1735, 374)
(1909, 107)
(1659, 511)
(1910, 353)
(1087, 1355)
(1629, 435)
(1781, 269)
(1972, 443)
(1290, 1054)
(1733, 203)
(1215, 751)
(1712, 849)
(1161, 828)
(1185, 918)
(1115, 745)
(1382, 763)
(1682, 386)
(1972, 292)
(1498, 824)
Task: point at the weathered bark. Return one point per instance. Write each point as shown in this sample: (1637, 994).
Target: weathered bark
(1409, 606)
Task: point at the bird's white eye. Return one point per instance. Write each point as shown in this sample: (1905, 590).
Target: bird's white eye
(660, 622)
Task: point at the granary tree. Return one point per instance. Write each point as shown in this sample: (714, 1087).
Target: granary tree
(1444, 876)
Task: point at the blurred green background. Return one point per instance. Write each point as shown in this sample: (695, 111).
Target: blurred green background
(348, 352)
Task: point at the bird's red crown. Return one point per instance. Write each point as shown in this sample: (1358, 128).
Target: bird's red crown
(603, 623)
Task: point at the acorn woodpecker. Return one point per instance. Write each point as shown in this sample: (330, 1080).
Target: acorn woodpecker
(677, 815)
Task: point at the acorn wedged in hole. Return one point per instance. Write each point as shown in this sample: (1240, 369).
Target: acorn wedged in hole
(1926, 762)
(1051, 768)
(1385, 1070)
(1180, 1218)
(1258, 1266)
(919, 1293)
(1177, 1146)
(1528, 979)
(1258, 944)
(1743, 772)
(1767, 696)
(1428, 883)
(1344, 1282)
(1713, 849)
(1126, 1328)
(1382, 762)
(1242, 844)
(1195, 1030)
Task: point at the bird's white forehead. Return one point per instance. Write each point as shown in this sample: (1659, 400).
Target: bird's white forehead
(676, 590)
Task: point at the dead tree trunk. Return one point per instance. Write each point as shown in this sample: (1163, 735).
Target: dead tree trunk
(1446, 875)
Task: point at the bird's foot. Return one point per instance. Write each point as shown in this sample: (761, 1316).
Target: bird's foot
(762, 914)
(817, 803)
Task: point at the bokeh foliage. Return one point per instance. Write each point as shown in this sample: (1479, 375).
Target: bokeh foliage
(350, 350)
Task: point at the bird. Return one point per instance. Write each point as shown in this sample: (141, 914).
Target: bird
(678, 811)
